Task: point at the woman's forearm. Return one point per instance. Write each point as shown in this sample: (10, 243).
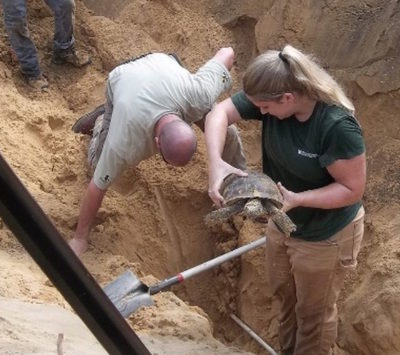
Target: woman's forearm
(216, 125)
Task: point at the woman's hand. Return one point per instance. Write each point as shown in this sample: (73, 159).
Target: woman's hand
(216, 125)
(347, 188)
(217, 174)
(290, 198)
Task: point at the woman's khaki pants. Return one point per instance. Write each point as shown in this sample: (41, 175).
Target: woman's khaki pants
(307, 278)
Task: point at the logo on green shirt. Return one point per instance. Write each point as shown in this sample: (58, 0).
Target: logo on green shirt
(306, 154)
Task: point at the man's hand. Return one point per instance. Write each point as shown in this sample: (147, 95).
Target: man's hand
(91, 203)
(226, 56)
(79, 246)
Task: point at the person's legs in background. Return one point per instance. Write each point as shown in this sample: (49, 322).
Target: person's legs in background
(23, 46)
(64, 41)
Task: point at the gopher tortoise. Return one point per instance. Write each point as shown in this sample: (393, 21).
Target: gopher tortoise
(255, 196)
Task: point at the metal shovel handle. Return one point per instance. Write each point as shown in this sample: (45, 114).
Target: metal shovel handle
(184, 275)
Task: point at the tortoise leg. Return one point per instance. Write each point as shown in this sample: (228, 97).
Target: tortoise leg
(280, 218)
(222, 214)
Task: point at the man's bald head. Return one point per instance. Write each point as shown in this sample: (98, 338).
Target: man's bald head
(177, 142)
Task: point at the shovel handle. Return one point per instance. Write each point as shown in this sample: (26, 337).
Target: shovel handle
(205, 266)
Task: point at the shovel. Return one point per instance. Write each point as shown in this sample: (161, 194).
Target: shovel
(128, 293)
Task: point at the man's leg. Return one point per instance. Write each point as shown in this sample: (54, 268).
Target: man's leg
(64, 41)
(233, 150)
(282, 286)
(319, 270)
(85, 124)
(18, 33)
(100, 132)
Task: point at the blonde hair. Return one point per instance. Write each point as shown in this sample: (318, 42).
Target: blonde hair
(274, 73)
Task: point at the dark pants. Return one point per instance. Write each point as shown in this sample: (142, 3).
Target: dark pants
(18, 33)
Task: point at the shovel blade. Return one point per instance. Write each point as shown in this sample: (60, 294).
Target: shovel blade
(121, 286)
(128, 293)
(130, 303)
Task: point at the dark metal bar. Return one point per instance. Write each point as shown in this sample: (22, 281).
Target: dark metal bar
(47, 247)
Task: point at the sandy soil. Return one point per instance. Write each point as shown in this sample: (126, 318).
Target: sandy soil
(151, 221)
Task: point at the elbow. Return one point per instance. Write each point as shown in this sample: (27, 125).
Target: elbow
(356, 188)
(356, 195)
(94, 189)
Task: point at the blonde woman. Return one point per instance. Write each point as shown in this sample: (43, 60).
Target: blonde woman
(313, 147)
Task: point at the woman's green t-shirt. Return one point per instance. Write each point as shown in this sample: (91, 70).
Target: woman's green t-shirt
(297, 154)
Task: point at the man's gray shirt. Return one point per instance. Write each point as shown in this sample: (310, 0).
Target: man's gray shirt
(142, 92)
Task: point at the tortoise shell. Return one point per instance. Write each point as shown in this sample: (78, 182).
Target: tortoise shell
(255, 185)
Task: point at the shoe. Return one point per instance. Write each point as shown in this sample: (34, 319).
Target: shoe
(37, 82)
(86, 123)
(71, 56)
